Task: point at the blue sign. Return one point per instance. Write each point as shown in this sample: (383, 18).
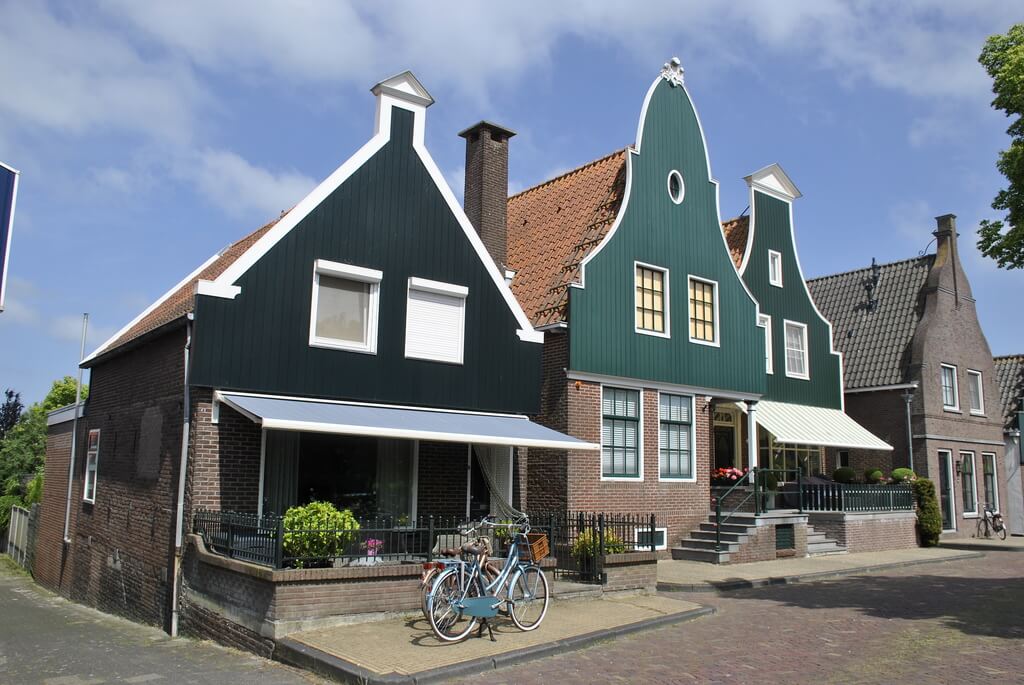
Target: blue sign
(8, 194)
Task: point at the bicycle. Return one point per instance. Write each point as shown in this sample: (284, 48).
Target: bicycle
(460, 596)
(990, 522)
(449, 558)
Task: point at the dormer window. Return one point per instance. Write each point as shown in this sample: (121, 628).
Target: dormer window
(775, 268)
(345, 306)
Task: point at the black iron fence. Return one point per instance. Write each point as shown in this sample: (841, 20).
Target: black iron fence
(578, 540)
(856, 498)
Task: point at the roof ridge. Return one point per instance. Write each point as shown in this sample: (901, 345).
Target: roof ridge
(868, 267)
(567, 173)
(1008, 356)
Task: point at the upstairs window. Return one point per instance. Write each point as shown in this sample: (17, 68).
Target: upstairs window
(345, 306)
(766, 321)
(796, 350)
(651, 300)
(435, 323)
(975, 393)
(92, 457)
(950, 392)
(703, 311)
(675, 453)
(620, 433)
(775, 268)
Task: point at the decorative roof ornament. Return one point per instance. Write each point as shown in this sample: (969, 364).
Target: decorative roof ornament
(673, 72)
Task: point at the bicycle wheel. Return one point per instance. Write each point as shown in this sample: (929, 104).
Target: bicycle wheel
(528, 598)
(426, 590)
(982, 528)
(1002, 532)
(446, 618)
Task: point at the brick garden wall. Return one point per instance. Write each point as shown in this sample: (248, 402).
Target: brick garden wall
(868, 532)
(631, 571)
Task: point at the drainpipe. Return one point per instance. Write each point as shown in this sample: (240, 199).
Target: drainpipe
(908, 398)
(182, 467)
(74, 433)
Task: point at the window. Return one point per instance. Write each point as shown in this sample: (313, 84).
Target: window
(92, 456)
(676, 188)
(651, 300)
(796, 350)
(435, 321)
(675, 456)
(620, 433)
(345, 303)
(970, 485)
(975, 393)
(766, 321)
(988, 480)
(844, 459)
(775, 268)
(642, 537)
(950, 393)
(785, 458)
(703, 312)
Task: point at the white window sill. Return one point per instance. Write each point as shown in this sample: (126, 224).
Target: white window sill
(675, 479)
(977, 413)
(656, 334)
(706, 343)
(975, 515)
(798, 377)
(952, 410)
(622, 479)
(338, 345)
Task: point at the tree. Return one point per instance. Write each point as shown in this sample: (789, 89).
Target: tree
(1003, 59)
(10, 411)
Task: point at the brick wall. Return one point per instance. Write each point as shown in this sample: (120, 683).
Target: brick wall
(884, 414)
(443, 472)
(631, 571)
(547, 469)
(760, 546)
(868, 532)
(48, 565)
(224, 462)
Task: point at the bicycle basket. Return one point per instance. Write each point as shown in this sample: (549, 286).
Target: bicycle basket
(536, 547)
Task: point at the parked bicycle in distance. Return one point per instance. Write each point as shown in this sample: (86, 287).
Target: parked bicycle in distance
(991, 522)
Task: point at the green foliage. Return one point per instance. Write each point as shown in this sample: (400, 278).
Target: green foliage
(771, 480)
(1003, 59)
(929, 518)
(62, 394)
(873, 476)
(10, 411)
(588, 544)
(317, 531)
(34, 490)
(6, 502)
(844, 474)
(903, 475)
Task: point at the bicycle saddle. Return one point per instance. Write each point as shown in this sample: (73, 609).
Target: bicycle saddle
(475, 548)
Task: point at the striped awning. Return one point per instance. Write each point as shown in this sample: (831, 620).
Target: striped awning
(803, 425)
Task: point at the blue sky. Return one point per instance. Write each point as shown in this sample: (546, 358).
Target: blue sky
(150, 135)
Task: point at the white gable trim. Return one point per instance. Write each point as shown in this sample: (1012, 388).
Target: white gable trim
(774, 181)
(395, 92)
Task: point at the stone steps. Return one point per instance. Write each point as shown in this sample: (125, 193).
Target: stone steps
(700, 544)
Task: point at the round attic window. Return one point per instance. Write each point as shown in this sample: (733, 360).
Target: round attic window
(676, 189)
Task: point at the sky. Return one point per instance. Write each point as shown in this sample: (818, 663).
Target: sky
(152, 135)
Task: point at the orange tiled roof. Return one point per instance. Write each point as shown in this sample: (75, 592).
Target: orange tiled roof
(182, 300)
(736, 231)
(552, 227)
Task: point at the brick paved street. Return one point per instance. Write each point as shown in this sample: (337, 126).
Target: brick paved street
(955, 622)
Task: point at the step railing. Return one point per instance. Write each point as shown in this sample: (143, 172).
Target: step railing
(856, 498)
(759, 493)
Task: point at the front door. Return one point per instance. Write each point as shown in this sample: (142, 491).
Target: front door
(946, 490)
(725, 447)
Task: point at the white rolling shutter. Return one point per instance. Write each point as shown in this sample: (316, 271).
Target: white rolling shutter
(435, 321)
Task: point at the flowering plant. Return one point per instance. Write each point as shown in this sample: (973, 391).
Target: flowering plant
(727, 476)
(373, 545)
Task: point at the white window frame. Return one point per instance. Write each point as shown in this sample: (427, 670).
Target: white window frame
(995, 477)
(717, 342)
(643, 529)
(437, 287)
(92, 457)
(951, 479)
(639, 478)
(359, 274)
(776, 278)
(693, 440)
(981, 393)
(974, 478)
(956, 388)
(682, 187)
(806, 376)
(664, 300)
(765, 321)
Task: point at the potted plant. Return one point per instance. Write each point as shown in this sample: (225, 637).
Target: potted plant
(586, 548)
(769, 489)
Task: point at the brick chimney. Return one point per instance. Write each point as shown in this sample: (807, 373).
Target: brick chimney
(946, 258)
(486, 193)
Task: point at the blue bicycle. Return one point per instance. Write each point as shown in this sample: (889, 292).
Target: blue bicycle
(462, 595)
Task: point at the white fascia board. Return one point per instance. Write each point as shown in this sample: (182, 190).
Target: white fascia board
(185, 281)
(773, 181)
(883, 388)
(9, 229)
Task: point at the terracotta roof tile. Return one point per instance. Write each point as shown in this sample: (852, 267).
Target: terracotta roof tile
(736, 231)
(182, 301)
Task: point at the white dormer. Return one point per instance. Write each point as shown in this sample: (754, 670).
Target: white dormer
(773, 181)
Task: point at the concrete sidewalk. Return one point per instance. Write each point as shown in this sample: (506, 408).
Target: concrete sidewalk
(406, 651)
(696, 576)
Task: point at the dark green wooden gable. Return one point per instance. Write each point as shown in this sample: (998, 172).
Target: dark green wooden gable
(388, 215)
(687, 240)
(772, 229)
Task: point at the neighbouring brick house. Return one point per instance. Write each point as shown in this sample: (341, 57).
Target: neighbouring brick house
(655, 343)
(359, 349)
(918, 372)
(1010, 375)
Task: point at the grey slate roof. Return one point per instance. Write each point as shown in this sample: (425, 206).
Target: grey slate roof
(1010, 376)
(875, 345)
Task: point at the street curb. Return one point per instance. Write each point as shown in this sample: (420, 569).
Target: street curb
(320, 662)
(726, 586)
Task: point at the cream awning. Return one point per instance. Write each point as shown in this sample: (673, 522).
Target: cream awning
(804, 425)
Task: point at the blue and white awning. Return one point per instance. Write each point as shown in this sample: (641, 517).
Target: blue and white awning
(347, 418)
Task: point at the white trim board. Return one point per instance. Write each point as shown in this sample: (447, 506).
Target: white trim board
(9, 229)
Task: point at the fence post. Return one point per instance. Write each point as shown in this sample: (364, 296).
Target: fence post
(800, 488)
(231, 537)
(430, 538)
(654, 547)
(279, 546)
(718, 520)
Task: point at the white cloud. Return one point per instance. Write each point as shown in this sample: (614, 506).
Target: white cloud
(68, 327)
(238, 187)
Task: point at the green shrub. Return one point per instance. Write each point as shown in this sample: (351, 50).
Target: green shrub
(587, 545)
(6, 502)
(903, 475)
(34, 490)
(317, 531)
(929, 518)
(844, 474)
(873, 476)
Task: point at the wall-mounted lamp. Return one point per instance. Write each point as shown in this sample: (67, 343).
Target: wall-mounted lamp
(871, 284)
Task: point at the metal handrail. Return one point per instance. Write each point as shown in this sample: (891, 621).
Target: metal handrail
(749, 475)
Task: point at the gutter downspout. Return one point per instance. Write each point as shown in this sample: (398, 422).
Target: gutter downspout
(908, 398)
(182, 467)
(74, 434)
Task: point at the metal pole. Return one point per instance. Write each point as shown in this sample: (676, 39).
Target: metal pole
(908, 398)
(74, 431)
